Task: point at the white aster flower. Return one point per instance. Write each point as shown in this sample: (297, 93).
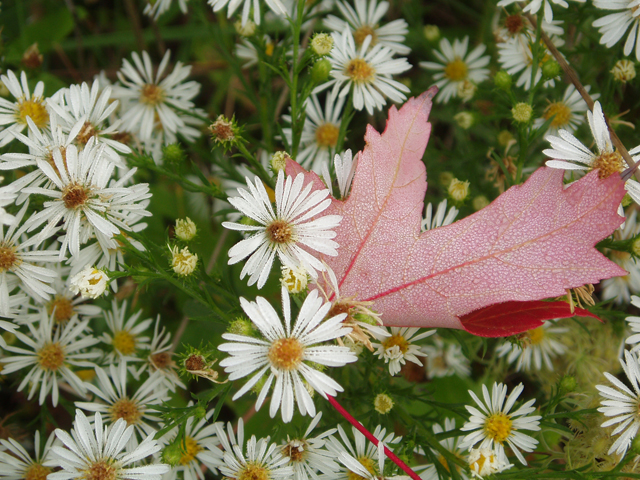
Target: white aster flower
(258, 460)
(365, 20)
(17, 464)
(13, 115)
(621, 288)
(153, 101)
(284, 353)
(534, 6)
(18, 260)
(50, 352)
(199, 447)
(399, 346)
(320, 132)
(345, 169)
(568, 153)
(622, 404)
(615, 25)
(114, 402)
(126, 338)
(90, 108)
(567, 113)
(494, 425)
(365, 452)
(516, 55)
(451, 444)
(308, 455)
(440, 219)
(247, 50)
(367, 71)
(539, 346)
(158, 7)
(97, 452)
(285, 232)
(89, 283)
(445, 359)
(485, 461)
(83, 200)
(276, 7)
(457, 67)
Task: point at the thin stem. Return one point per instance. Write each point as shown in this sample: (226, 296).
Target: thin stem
(573, 77)
(371, 438)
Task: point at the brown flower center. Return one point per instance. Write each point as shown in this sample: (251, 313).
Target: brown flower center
(361, 33)
(75, 195)
(562, 114)
(51, 356)
(295, 450)
(86, 132)
(327, 135)
(286, 354)
(63, 308)
(100, 471)
(194, 363)
(8, 258)
(35, 109)
(279, 231)
(151, 94)
(514, 24)
(456, 70)
(359, 71)
(127, 410)
(608, 164)
(161, 360)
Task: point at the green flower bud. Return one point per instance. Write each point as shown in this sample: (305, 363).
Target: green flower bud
(551, 69)
(172, 454)
(480, 202)
(173, 154)
(568, 384)
(320, 70)
(503, 80)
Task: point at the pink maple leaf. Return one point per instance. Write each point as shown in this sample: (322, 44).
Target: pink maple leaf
(533, 242)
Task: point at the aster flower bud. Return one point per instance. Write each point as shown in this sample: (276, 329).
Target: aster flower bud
(522, 112)
(464, 120)
(466, 90)
(458, 190)
(294, 279)
(173, 154)
(185, 229)
(503, 80)
(279, 160)
(320, 70)
(624, 71)
(183, 261)
(551, 69)
(246, 30)
(321, 44)
(224, 131)
(383, 403)
(480, 202)
(431, 33)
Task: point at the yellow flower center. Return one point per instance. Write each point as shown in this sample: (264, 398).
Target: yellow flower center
(536, 336)
(279, 231)
(562, 114)
(63, 308)
(99, 471)
(190, 450)
(608, 164)
(286, 354)
(51, 356)
(127, 410)
(151, 94)
(75, 195)
(456, 71)
(359, 71)
(268, 51)
(398, 340)
(327, 135)
(35, 109)
(253, 472)
(498, 427)
(367, 463)
(361, 33)
(124, 342)
(36, 472)
(8, 258)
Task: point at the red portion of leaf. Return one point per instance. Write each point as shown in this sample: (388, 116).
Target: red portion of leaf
(510, 318)
(533, 242)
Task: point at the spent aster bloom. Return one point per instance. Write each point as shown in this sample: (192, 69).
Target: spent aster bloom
(308, 455)
(50, 353)
(153, 102)
(569, 153)
(364, 20)
(89, 283)
(98, 452)
(367, 71)
(457, 67)
(13, 115)
(399, 346)
(623, 404)
(615, 25)
(276, 7)
(288, 354)
(486, 461)
(537, 347)
(494, 425)
(284, 232)
(17, 464)
(258, 460)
